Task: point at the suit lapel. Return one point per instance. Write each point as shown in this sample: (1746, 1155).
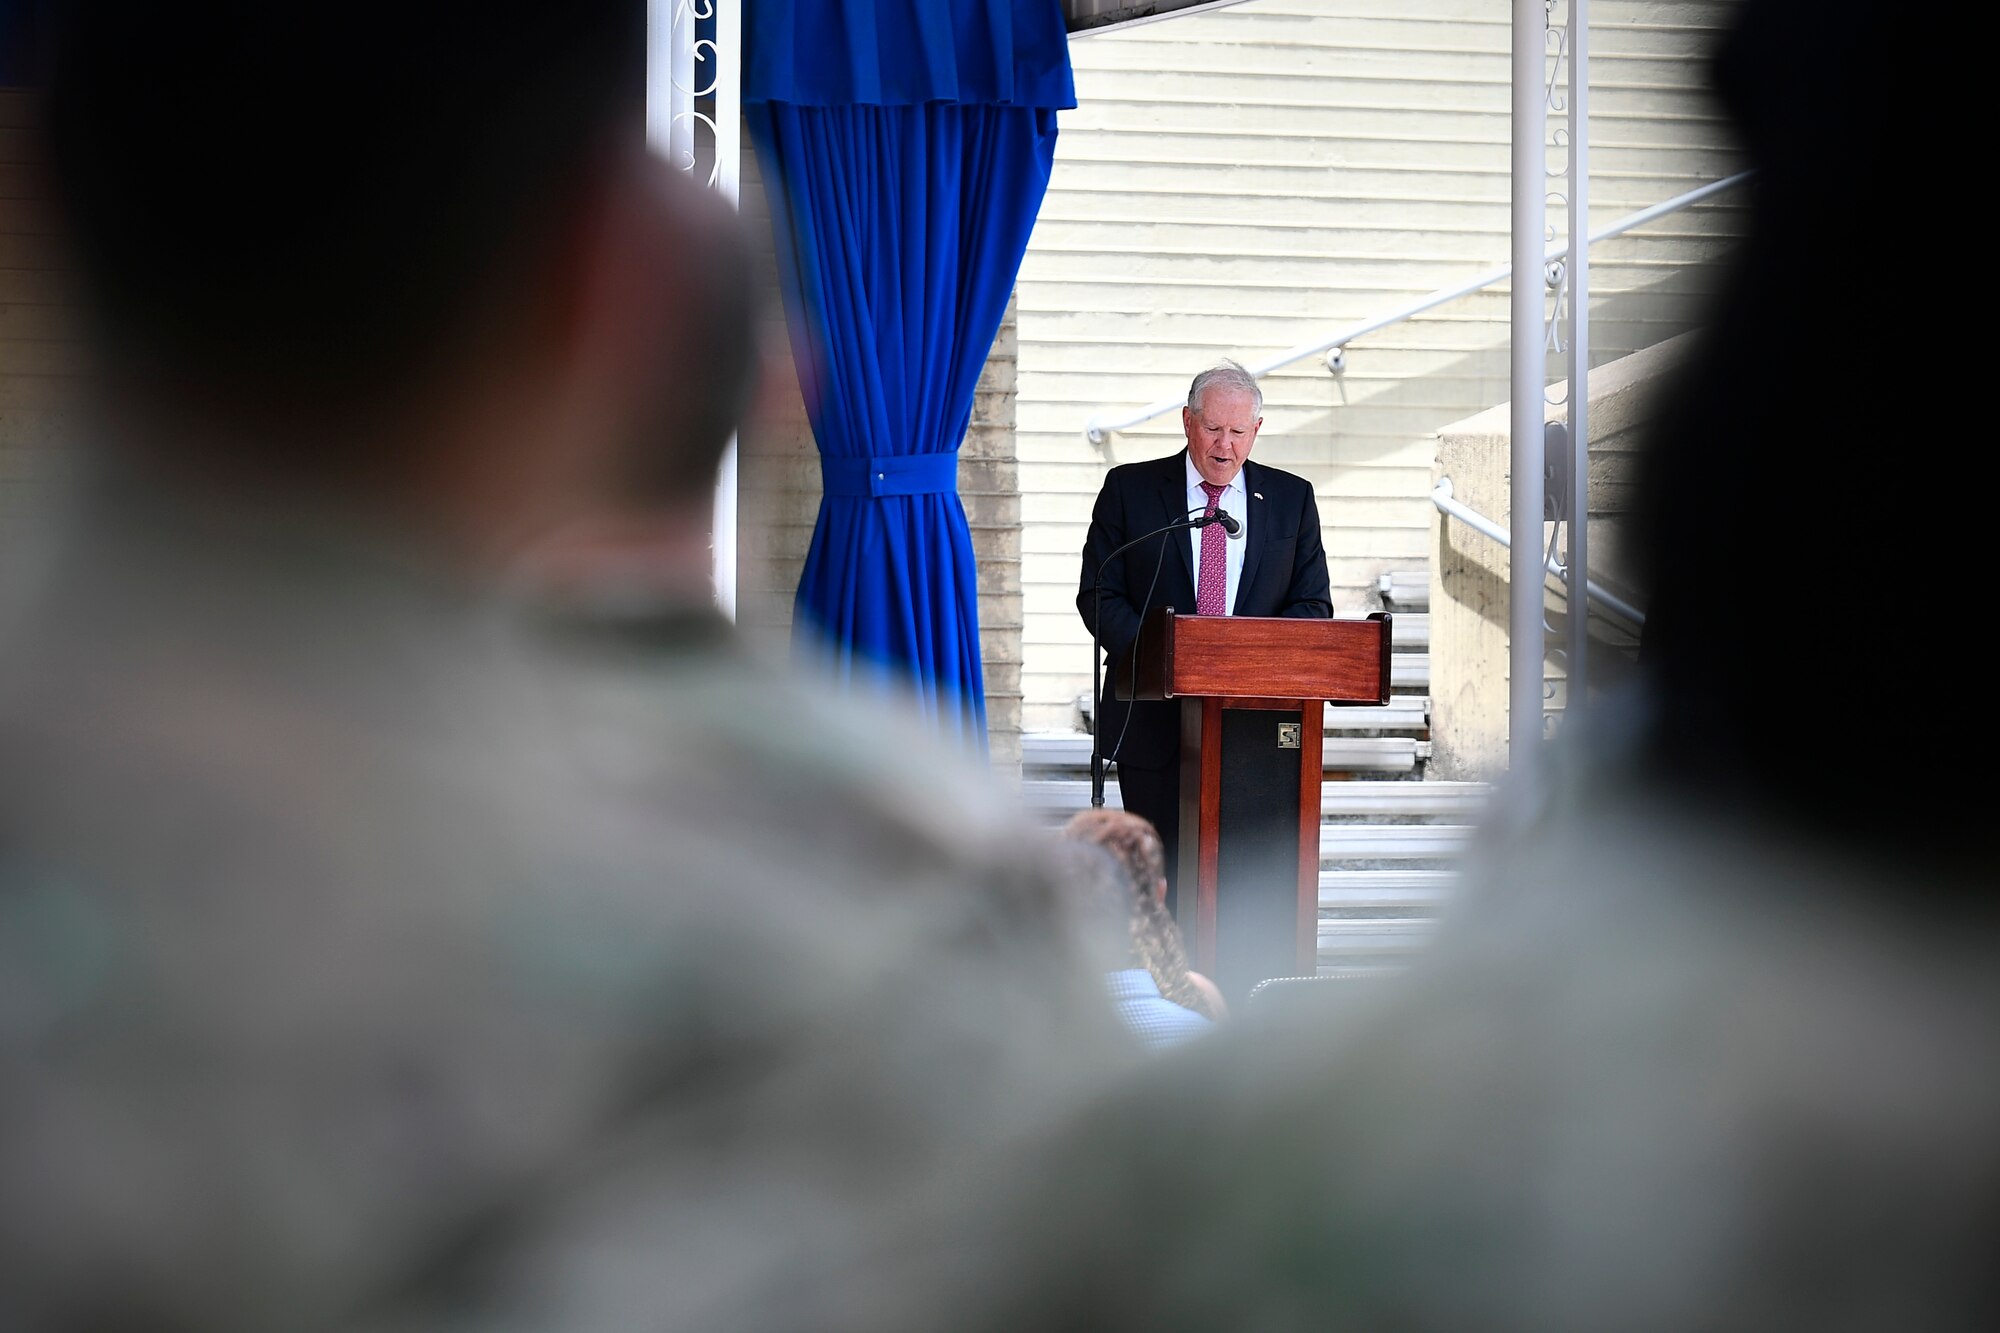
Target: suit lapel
(1173, 508)
(1258, 517)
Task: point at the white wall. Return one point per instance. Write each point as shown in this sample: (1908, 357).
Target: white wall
(1247, 179)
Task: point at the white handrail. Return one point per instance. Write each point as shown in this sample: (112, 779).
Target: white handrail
(1478, 522)
(1099, 430)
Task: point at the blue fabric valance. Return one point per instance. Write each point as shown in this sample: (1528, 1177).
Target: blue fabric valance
(907, 53)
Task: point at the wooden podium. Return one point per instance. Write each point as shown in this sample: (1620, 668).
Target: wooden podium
(1253, 690)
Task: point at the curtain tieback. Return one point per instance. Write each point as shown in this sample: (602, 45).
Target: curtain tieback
(904, 474)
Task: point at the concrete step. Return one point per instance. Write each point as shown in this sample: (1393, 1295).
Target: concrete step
(1408, 709)
(1409, 670)
(1051, 753)
(1380, 754)
(1056, 750)
(1405, 590)
(1365, 798)
(1403, 712)
(1407, 893)
(1392, 842)
(1356, 799)
(1381, 938)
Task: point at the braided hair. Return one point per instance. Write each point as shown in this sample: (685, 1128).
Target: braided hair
(1156, 940)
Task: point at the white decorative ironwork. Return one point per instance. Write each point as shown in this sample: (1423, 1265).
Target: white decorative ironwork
(1556, 45)
(693, 119)
(690, 96)
(1555, 39)
(1568, 50)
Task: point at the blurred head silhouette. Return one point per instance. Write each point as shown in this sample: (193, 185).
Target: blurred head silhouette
(446, 959)
(1772, 486)
(416, 256)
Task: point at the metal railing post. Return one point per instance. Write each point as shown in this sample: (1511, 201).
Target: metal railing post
(1576, 706)
(1528, 382)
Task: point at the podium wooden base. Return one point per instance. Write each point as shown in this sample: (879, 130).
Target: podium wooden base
(1249, 856)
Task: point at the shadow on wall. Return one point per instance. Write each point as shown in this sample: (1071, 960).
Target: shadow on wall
(1621, 324)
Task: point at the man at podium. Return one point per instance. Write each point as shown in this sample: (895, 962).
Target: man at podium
(1147, 548)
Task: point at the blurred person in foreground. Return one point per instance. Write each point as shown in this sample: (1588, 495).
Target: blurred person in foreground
(1157, 971)
(395, 934)
(1712, 1037)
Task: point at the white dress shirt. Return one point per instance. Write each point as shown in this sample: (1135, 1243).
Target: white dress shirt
(1233, 499)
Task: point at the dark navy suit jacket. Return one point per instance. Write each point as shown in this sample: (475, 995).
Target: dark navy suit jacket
(1284, 574)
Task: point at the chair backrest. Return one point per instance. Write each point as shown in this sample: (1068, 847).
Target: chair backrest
(1278, 992)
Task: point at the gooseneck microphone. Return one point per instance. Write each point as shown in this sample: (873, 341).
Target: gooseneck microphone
(1230, 526)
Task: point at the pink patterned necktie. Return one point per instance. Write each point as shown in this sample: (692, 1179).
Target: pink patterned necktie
(1211, 589)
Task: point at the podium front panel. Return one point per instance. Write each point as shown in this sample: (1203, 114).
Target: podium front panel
(1257, 852)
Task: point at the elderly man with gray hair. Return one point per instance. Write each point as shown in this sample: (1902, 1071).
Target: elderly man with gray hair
(1269, 561)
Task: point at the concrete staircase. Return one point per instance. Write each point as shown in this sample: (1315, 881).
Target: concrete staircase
(1390, 840)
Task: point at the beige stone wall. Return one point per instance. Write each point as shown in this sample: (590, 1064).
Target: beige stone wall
(989, 484)
(1469, 652)
(1248, 179)
(777, 465)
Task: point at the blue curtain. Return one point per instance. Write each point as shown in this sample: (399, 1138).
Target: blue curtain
(906, 145)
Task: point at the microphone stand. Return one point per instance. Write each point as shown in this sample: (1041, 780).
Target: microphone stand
(1230, 525)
